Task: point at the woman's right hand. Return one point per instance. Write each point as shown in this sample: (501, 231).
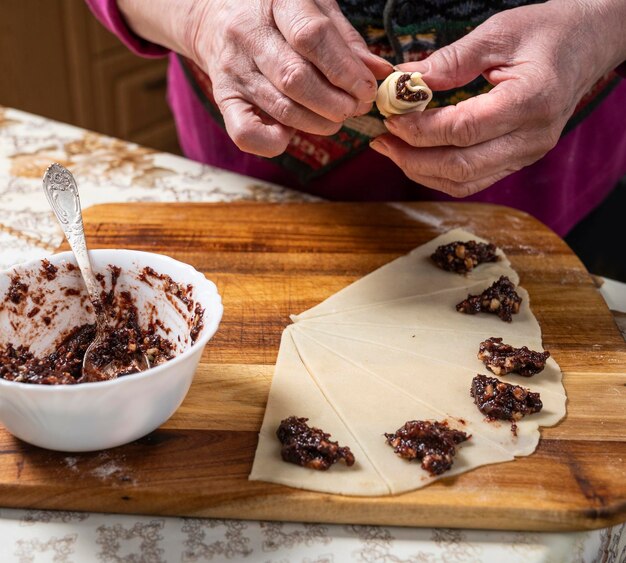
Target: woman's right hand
(275, 65)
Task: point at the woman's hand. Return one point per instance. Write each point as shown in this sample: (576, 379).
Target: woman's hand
(275, 65)
(541, 58)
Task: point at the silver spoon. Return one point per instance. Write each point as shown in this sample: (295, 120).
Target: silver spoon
(62, 193)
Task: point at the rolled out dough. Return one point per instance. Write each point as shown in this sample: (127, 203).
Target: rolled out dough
(391, 348)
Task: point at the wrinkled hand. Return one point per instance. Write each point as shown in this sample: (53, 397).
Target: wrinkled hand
(541, 58)
(280, 65)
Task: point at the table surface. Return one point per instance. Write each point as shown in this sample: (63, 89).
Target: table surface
(110, 170)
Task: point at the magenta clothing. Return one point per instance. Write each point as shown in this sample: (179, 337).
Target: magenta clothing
(559, 190)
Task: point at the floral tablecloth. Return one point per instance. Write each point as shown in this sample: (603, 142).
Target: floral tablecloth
(110, 170)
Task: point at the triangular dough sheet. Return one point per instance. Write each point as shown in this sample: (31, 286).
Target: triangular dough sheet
(410, 275)
(293, 392)
(459, 349)
(444, 388)
(391, 348)
(438, 312)
(375, 409)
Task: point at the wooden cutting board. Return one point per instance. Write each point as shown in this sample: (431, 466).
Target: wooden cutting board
(270, 260)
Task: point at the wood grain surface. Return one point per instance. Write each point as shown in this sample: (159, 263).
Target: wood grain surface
(270, 260)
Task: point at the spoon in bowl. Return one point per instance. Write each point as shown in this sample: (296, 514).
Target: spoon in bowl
(99, 363)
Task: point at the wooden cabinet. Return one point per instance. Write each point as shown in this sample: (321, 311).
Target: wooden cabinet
(57, 60)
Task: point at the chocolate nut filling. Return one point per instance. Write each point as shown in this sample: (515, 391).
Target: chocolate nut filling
(462, 257)
(503, 358)
(500, 299)
(406, 94)
(63, 366)
(309, 447)
(434, 443)
(503, 401)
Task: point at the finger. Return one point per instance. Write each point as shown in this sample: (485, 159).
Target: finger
(380, 67)
(254, 88)
(299, 80)
(459, 189)
(263, 94)
(251, 131)
(458, 63)
(472, 121)
(461, 165)
(314, 35)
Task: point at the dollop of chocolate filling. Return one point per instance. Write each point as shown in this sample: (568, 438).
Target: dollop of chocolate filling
(309, 447)
(433, 443)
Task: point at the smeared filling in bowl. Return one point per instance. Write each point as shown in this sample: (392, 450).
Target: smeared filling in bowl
(27, 299)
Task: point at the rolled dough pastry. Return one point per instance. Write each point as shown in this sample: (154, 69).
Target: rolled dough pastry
(391, 348)
(391, 101)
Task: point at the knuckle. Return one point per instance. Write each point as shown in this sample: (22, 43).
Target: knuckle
(448, 57)
(236, 26)
(293, 77)
(223, 95)
(282, 110)
(308, 34)
(227, 85)
(464, 130)
(231, 29)
(459, 168)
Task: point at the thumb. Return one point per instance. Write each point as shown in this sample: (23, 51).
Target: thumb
(379, 67)
(456, 64)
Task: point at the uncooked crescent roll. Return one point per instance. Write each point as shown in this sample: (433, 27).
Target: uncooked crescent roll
(403, 92)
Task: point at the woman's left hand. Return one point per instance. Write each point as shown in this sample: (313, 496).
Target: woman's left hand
(541, 59)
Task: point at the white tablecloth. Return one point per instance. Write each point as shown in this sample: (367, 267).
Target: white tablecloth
(110, 170)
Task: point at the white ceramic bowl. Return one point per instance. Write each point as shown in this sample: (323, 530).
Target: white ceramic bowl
(94, 416)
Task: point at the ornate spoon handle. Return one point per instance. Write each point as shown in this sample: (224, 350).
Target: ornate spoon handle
(62, 193)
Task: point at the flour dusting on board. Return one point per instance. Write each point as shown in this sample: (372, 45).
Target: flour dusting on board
(104, 466)
(421, 216)
(71, 462)
(108, 468)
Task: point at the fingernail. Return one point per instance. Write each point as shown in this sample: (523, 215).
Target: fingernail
(390, 125)
(378, 59)
(365, 90)
(379, 146)
(422, 66)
